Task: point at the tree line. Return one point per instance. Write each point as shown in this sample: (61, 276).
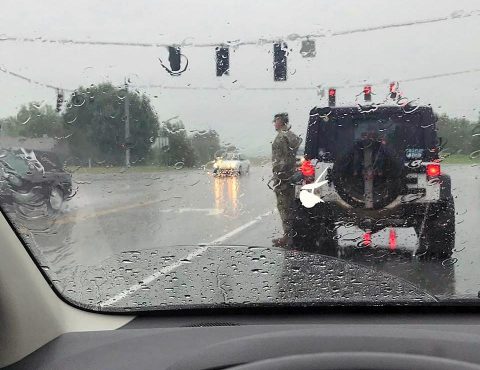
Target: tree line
(91, 129)
(459, 135)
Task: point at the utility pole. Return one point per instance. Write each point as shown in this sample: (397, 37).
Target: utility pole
(127, 126)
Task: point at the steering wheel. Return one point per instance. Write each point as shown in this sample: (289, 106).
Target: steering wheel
(358, 361)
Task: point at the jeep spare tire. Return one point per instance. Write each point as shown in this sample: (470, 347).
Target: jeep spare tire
(368, 175)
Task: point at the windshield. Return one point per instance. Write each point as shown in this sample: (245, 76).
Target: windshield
(328, 153)
(232, 157)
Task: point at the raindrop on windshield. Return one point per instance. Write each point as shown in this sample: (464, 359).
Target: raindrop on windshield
(179, 165)
(23, 116)
(475, 154)
(70, 117)
(449, 261)
(38, 106)
(121, 93)
(78, 99)
(410, 108)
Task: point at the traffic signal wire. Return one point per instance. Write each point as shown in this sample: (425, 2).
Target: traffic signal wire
(251, 88)
(235, 43)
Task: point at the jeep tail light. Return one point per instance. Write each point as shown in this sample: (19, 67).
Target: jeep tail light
(433, 170)
(308, 171)
(307, 168)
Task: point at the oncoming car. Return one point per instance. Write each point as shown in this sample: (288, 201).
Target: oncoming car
(231, 164)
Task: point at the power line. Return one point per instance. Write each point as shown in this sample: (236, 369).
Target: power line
(235, 43)
(29, 80)
(239, 87)
(251, 88)
(313, 88)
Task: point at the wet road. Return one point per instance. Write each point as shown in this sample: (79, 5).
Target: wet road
(129, 212)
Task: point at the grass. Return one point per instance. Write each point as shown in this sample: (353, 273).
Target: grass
(117, 169)
(460, 159)
(451, 159)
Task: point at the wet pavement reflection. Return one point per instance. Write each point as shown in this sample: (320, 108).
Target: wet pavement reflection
(126, 213)
(227, 192)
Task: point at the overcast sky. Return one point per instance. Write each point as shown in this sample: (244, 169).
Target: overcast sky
(241, 106)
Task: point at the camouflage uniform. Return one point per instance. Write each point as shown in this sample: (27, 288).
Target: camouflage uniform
(284, 150)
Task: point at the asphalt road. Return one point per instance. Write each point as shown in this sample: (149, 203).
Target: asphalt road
(131, 212)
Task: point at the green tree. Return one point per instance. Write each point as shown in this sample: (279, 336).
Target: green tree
(179, 144)
(33, 120)
(476, 136)
(95, 120)
(205, 143)
(456, 133)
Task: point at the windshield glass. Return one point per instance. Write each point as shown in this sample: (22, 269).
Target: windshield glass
(231, 157)
(403, 136)
(328, 153)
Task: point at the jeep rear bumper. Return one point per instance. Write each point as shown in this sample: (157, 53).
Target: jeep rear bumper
(405, 211)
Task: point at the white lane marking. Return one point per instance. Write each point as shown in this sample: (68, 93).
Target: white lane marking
(209, 211)
(125, 293)
(197, 252)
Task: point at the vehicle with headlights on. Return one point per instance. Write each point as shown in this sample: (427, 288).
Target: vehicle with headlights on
(231, 164)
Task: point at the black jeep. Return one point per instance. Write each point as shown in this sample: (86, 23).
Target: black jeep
(376, 167)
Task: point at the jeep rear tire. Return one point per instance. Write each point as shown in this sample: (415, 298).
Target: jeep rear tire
(349, 181)
(437, 240)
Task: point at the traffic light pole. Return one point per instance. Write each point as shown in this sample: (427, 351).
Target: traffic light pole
(127, 127)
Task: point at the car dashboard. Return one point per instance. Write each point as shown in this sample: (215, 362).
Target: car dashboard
(383, 339)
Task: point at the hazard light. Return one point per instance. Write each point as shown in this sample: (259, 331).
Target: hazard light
(433, 170)
(367, 93)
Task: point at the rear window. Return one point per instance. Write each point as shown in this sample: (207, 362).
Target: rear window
(411, 135)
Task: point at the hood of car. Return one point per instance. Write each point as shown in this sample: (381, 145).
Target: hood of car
(205, 276)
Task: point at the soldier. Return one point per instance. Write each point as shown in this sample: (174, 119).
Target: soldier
(284, 150)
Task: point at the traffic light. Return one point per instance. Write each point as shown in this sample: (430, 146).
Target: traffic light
(332, 94)
(60, 96)
(393, 90)
(367, 93)
(223, 60)
(174, 57)
(308, 49)
(280, 61)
